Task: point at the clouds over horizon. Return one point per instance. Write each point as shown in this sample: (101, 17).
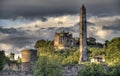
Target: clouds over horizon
(27, 34)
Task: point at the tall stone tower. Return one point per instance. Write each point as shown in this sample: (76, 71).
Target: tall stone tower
(83, 35)
(29, 56)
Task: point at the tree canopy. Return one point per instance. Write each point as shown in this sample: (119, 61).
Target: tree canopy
(3, 59)
(47, 66)
(113, 51)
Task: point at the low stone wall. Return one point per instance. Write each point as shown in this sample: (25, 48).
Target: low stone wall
(71, 70)
(18, 73)
(66, 71)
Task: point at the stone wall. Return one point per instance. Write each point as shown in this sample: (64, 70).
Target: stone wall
(71, 70)
(25, 66)
(66, 71)
(18, 73)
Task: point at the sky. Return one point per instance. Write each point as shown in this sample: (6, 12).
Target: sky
(23, 22)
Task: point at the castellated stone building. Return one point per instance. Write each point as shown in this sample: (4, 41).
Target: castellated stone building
(64, 40)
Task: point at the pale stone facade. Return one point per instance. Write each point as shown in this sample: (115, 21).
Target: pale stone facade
(29, 55)
(98, 59)
(64, 40)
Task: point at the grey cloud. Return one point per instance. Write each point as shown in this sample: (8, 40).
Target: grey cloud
(6, 30)
(15, 37)
(18, 42)
(41, 8)
(115, 28)
(12, 31)
(72, 29)
(115, 25)
(19, 38)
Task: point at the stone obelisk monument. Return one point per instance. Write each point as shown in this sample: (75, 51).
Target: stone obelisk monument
(83, 35)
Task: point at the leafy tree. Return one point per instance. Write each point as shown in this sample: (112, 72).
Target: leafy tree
(44, 46)
(3, 59)
(47, 66)
(93, 70)
(113, 51)
(19, 60)
(114, 70)
(2, 56)
(43, 43)
(96, 51)
(71, 59)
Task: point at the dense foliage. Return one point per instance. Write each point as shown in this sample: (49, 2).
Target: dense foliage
(114, 70)
(50, 61)
(99, 70)
(93, 70)
(96, 51)
(44, 46)
(113, 51)
(47, 66)
(69, 56)
(3, 59)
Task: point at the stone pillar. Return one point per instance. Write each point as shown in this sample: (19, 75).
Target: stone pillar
(83, 35)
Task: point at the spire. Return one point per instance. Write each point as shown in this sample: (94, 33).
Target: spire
(83, 35)
(83, 7)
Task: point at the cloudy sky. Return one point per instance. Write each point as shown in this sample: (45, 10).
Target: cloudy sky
(23, 22)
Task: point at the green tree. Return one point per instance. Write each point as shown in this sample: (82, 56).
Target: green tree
(113, 51)
(47, 66)
(114, 70)
(3, 59)
(96, 51)
(71, 59)
(93, 70)
(44, 46)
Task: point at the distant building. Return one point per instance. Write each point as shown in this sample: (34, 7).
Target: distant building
(91, 40)
(97, 59)
(64, 40)
(29, 56)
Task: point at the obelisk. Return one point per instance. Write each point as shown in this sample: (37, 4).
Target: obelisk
(83, 35)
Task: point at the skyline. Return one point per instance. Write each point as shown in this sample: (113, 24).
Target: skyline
(22, 23)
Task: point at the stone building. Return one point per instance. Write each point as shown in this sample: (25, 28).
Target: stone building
(98, 59)
(28, 57)
(64, 40)
(91, 40)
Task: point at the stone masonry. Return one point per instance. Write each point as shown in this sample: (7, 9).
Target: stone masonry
(83, 35)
